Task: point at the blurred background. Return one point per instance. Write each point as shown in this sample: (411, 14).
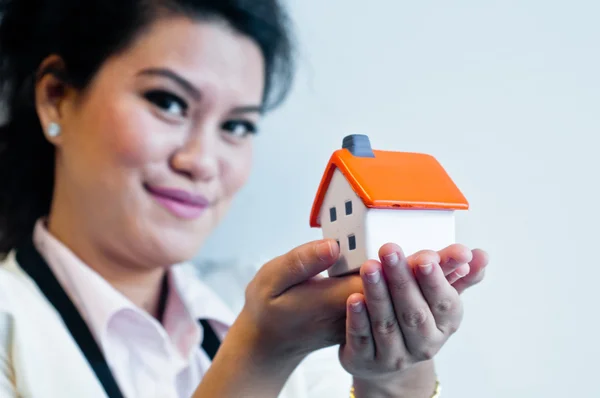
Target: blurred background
(506, 95)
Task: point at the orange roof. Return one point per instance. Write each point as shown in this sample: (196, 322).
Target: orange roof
(399, 180)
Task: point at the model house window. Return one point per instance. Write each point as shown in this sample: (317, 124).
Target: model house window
(348, 207)
(332, 214)
(352, 242)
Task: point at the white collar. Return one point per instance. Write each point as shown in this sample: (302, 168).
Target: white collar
(189, 299)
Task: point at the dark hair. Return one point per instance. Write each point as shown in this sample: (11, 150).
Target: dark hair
(84, 33)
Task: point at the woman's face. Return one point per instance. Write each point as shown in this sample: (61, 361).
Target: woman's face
(153, 151)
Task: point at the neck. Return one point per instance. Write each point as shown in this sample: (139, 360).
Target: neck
(143, 287)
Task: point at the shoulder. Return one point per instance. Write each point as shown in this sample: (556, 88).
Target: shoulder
(10, 283)
(17, 290)
(7, 373)
(7, 308)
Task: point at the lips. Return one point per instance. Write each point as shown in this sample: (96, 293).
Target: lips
(180, 203)
(179, 196)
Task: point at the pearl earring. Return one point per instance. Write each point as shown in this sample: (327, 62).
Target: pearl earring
(53, 130)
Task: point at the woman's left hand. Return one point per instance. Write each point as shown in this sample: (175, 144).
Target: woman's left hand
(409, 309)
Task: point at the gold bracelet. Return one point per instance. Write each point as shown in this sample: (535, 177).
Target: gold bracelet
(438, 389)
(436, 394)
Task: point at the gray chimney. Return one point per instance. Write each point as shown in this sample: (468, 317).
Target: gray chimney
(359, 145)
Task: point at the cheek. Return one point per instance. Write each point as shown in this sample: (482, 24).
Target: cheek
(130, 135)
(236, 170)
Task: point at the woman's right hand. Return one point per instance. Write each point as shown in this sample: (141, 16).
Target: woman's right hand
(290, 311)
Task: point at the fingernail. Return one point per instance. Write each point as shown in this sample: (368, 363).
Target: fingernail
(426, 268)
(324, 251)
(391, 259)
(357, 307)
(374, 277)
(461, 274)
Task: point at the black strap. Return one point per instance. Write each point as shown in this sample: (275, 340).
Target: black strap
(210, 343)
(32, 262)
(35, 266)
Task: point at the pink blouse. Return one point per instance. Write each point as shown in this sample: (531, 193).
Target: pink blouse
(148, 359)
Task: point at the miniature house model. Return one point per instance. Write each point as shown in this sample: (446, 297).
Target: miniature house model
(368, 198)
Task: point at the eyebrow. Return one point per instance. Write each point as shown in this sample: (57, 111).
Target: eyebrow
(181, 81)
(249, 109)
(193, 91)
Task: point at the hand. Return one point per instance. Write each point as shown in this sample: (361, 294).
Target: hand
(409, 309)
(290, 310)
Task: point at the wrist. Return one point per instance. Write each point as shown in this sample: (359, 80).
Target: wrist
(245, 366)
(416, 382)
(246, 342)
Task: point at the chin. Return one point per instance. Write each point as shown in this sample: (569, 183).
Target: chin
(177, 250)
(163, 256)
(167, 241)
(182, 245)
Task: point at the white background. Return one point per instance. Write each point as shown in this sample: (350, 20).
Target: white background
(506, 95)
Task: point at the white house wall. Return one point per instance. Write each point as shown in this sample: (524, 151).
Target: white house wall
(413, 230)
(338, 193)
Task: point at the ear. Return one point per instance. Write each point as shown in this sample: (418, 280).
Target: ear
(50, 94)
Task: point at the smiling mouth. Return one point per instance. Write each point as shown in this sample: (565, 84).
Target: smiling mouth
(181, 204)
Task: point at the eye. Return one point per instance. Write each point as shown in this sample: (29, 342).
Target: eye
(169, 103)
(239, 128)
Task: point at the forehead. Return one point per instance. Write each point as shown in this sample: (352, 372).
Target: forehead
(210, 54)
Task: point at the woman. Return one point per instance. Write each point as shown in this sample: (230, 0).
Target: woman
(129, 131)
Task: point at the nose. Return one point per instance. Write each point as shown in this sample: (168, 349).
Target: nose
(197, 159)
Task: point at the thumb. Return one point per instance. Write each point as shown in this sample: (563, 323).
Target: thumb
(298, 265)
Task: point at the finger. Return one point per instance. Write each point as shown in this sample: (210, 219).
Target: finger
(423, 257)
(444, 302)
(384, 325)
(459, 273)
(412, 311)
(477, 271)
(332, 293)
(450, 258)
(359, 346)
(298, 265)
(453, 257)
(330, 296)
